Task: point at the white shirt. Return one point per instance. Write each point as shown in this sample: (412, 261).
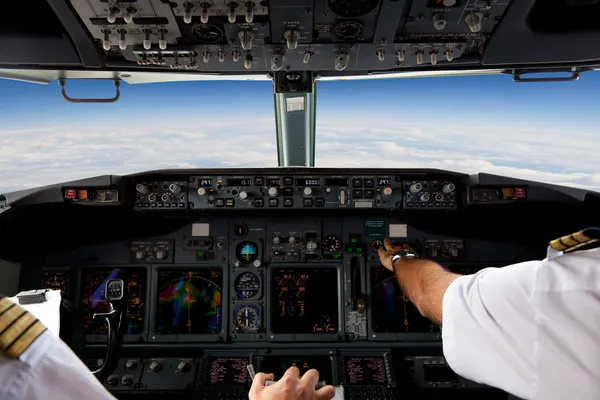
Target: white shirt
(531, 329)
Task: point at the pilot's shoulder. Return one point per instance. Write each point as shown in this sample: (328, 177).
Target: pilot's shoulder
(584, 239)
(19, 329)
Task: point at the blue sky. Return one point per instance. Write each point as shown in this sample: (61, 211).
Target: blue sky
(547, 132)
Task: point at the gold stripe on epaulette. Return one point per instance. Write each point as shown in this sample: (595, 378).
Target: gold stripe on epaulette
(18, 329)
(581, 245)
(557, 245)
(581, 237)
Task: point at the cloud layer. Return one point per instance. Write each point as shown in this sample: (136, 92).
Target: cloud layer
(35, 157)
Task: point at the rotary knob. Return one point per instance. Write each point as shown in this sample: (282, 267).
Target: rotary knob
(155, 366)
(415, 188)
(276, 240)
(308, 191)
(448, 188)
(387, 191)
(475, 21)
(112, 380)
(174, 188)
(425, 197)
(140, 254)
(273, 191)
(161, 254)
(127, 380)
(201, 192)
(243, 195)
(130, 365)
(291, 240)
(184, 366)
(141, 188)
(311, 246)
(341, 61)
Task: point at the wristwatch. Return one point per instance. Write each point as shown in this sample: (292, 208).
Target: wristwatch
(405, 253)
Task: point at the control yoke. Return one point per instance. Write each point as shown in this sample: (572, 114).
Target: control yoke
(116, 317)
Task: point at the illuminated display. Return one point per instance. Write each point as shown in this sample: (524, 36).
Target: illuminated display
(308, 182)
(391, 311)
(57, 280)
(305, 300)
(239, 182)
(277, 365)
(93, 285)
(273, 182)
(189, 302)
(205, 182)
(227, 370)
(384, 181)
(365, 371)
(246, 252)
(336, 182)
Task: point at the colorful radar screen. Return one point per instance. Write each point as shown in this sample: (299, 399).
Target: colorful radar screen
(189, 302)
(93, 300)
(246, 252)
(391, 311)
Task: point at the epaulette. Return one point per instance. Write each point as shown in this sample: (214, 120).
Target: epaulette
(18, 328)
(577, 240)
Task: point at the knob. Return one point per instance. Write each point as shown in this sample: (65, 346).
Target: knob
(400, 55)
(453, 251)
(342, 197)
(448, 188)
(387, 191)
(162, 42)
(273, 191)
(425, 197)
(291, 240)
(122, 42)
(112, 14)
(419, 57)
(204, 12)
(130, 365)
(311, 246)
(246, 39)
(243, 195)
(380, 54)
(475, 21)
(175, 188)
(201, 192)
(187, 12)
(307, 55)
(184, 366)
(147, 43)
(439, 21)
(140, 254)
(161, 254)
(341, 61)
(221, 56)
(276, 62)
(128, 17)
(248, 61)
(206, 56)
(433, 252)
(449, 55)
(249, 12)
(100, 362)
(165, 197)
(291, 37)
(106, 41)
(439, 197)
(256, 263)
(415, 188)
(276, 240)
(127, 380)
(155, 366)
(308, 191)
(433, 57)
(112, 380)
(232, 9)
(141, 188)
(236, 56)
(151, 198)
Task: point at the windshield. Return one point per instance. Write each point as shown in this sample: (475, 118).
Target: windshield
(537, 131)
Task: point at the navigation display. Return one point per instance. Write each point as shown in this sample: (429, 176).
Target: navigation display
(57, 280)
(189, 301)
(304, 300)
(227, 370)
(391, 311)
(365, 371)
(93, 285)
(277, 365)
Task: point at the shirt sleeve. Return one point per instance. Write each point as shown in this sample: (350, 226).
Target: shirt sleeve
(488, 327)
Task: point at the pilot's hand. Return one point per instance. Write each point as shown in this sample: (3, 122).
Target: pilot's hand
(290, 387)
(387, 251)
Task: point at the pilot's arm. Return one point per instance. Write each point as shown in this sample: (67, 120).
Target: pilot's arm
(36, 365)
(530, 329)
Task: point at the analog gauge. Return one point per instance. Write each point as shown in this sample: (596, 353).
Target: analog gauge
(246, 252)
(352, 8)
(376, 245)
(246, 285)
(207, 33)
(332, 244)
(348, 31)
(56, 281)
(247, 318)
(240, 229)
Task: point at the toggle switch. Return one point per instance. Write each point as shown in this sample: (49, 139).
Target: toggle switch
(236, 55)
(380, 54)
(122, 41)
(206, 56)
(433, 57)
(276, 61)
(147, 43)
(291, 37)
(221, 56)
(128, 17)
(106, 40)
(341, 61)
(246, 39)
(419, 55)
(112, 14)
(187, 12)
(232, 10)
(162, 42)
(249, 12)
(475, 21)
(248, 61)
(204, 12)
(449, 55)
(307, 55)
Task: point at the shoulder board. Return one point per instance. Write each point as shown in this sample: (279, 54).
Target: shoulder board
(18, 328)
(576, 240)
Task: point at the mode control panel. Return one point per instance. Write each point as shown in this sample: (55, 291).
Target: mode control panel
(420, 194)
(164, 195)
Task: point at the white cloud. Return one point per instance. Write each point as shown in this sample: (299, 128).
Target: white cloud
(35, 157)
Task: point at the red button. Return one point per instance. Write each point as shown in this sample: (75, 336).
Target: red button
(70, 194)
(520, 193)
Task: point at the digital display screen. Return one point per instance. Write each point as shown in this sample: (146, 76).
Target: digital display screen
(205, 182)
(391, 311)
(228, 370)
(304, 300)
(384, 181)
(57, 280)
(336, 182)
(277, 365)
(239, 182)
(439, 373)
(93, 300)
(189, 301)
(365, 371)
(308, 182)
(273, 182)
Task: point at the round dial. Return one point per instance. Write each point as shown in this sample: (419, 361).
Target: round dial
(246, 285)
(240, 229)
(57, 282)
(207, 33)
(247, 318)
(348, 31)
(376, 245)
(332, 244)
(352, 8)
(246, 252)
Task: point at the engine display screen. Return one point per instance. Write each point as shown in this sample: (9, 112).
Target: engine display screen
(227, 370)
(93, 286)
(391, 311)
(189, 301)
(277, 365)
(365, 371)
(304, 300)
